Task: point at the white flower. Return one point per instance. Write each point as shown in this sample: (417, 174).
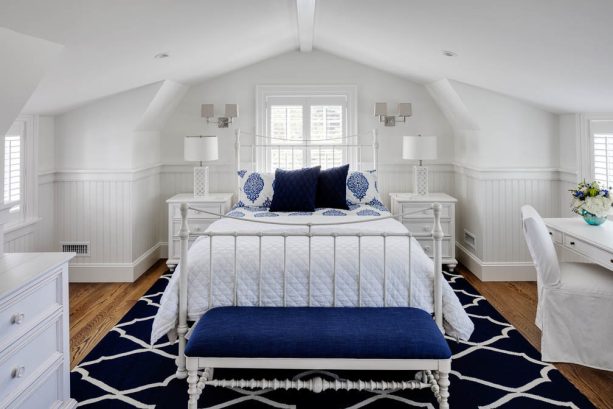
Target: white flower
(598, 206)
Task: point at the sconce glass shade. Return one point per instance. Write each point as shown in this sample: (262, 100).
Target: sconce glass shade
(380, 108)
(405, 109)
(207, 110)
(200, 148)
(419, 148)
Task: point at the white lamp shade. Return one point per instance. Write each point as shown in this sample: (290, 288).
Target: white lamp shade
(419, 147)
(207, 110)
(380, 108)
(200, 148)
(405, 109)
(231, 111)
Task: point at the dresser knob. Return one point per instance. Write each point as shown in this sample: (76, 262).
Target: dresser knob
(18, 372)
(17, 319)
(550, 233)
(572, 243)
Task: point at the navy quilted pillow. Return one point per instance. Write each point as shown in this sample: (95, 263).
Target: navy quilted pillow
(295, 190)
(332, 188)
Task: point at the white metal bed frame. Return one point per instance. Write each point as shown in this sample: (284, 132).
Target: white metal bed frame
(432, 373)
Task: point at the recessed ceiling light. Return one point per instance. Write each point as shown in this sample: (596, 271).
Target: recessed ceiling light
(161, 55)
(448, 53)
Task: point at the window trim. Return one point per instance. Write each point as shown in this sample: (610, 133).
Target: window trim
(587, 126)
(264, 92)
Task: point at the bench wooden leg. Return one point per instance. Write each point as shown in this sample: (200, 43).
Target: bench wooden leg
(443, 383)
(192, 381)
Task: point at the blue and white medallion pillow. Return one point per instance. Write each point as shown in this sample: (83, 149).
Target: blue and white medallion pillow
(255, 189)
(362, 187)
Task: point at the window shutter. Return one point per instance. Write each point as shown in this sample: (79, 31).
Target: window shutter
(12, 171)
(603, 159)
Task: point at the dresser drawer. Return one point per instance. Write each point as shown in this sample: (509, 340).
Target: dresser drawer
(427, 245)
(27, 307)
(23, 359)
(195, 226)
(195, 214)
(600, 256)
(423, 228)
(43, 394)
(423, 210)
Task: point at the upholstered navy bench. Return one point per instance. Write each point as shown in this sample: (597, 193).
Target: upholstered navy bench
(311, 332)
(319, 338)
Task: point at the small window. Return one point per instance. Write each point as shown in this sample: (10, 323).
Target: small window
(603, 159)
(14, 171)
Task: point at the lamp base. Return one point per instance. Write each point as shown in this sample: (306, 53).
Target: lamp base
(420, 181)
(201, 181)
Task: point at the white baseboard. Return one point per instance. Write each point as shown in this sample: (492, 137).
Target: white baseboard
(114, 272)
(495, 271)
(163, 249)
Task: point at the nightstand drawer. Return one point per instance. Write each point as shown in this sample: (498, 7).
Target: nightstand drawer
(423, 210)
(427, 245)
(195, 214)
(555, 235)
(26, 308)
(195, 225)
(424, 228)
(176, 246)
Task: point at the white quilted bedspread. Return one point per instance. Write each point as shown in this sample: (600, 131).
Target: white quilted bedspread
(323, 290)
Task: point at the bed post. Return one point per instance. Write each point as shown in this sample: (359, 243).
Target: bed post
(237, 153)
(182, 328)
(375, 150)
(437, 235)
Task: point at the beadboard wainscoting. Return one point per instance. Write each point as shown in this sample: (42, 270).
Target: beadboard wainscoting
(114, 213)
(489, 230)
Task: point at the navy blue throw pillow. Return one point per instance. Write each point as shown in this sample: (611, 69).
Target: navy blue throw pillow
(332, 188)
(295, 190)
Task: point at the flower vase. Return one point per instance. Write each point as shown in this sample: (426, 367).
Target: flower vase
(592, 219)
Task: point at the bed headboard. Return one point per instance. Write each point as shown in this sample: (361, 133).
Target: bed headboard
(351, 150)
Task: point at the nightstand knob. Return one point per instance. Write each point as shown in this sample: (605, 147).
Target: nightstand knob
(17, 319)
(18, 372)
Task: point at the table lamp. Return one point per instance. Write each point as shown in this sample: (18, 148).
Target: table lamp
(201, 149)
(419, 148)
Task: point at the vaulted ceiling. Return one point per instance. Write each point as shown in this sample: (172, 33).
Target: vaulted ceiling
(555, 53)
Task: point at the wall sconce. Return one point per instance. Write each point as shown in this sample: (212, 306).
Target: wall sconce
(404, 110)
(208, 111)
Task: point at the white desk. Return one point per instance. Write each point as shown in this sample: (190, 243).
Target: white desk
(595, 243)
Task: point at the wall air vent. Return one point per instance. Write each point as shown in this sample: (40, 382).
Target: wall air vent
(81, 248)
(470, 240)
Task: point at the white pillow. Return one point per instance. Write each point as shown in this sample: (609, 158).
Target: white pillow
(255, 188)
(362, 187)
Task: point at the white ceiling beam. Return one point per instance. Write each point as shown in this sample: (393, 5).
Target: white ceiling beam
(306, 24)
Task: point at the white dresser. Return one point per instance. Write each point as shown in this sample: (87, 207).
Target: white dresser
(420, 222)
(219, 203)
(34, 333)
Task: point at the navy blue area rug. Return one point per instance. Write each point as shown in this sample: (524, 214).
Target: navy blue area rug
(497, 368)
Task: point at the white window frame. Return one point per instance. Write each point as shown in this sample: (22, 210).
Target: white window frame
(281, 93)
(590, 124)
(29, 177)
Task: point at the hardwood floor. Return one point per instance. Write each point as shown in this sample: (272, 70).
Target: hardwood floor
(516, 301)
(96, 308)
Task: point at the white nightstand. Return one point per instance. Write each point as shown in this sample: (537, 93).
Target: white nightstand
(420, 224)
(198, 222)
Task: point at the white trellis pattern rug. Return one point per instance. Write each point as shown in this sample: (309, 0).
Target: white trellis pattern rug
(497, 368)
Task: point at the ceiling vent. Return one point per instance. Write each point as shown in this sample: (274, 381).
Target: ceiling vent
(81, 248)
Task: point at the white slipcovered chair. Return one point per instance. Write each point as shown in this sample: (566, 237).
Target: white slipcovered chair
(575, 302)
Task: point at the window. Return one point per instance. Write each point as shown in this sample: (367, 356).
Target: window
(306, 126)
(14, 173)
(603, 159)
